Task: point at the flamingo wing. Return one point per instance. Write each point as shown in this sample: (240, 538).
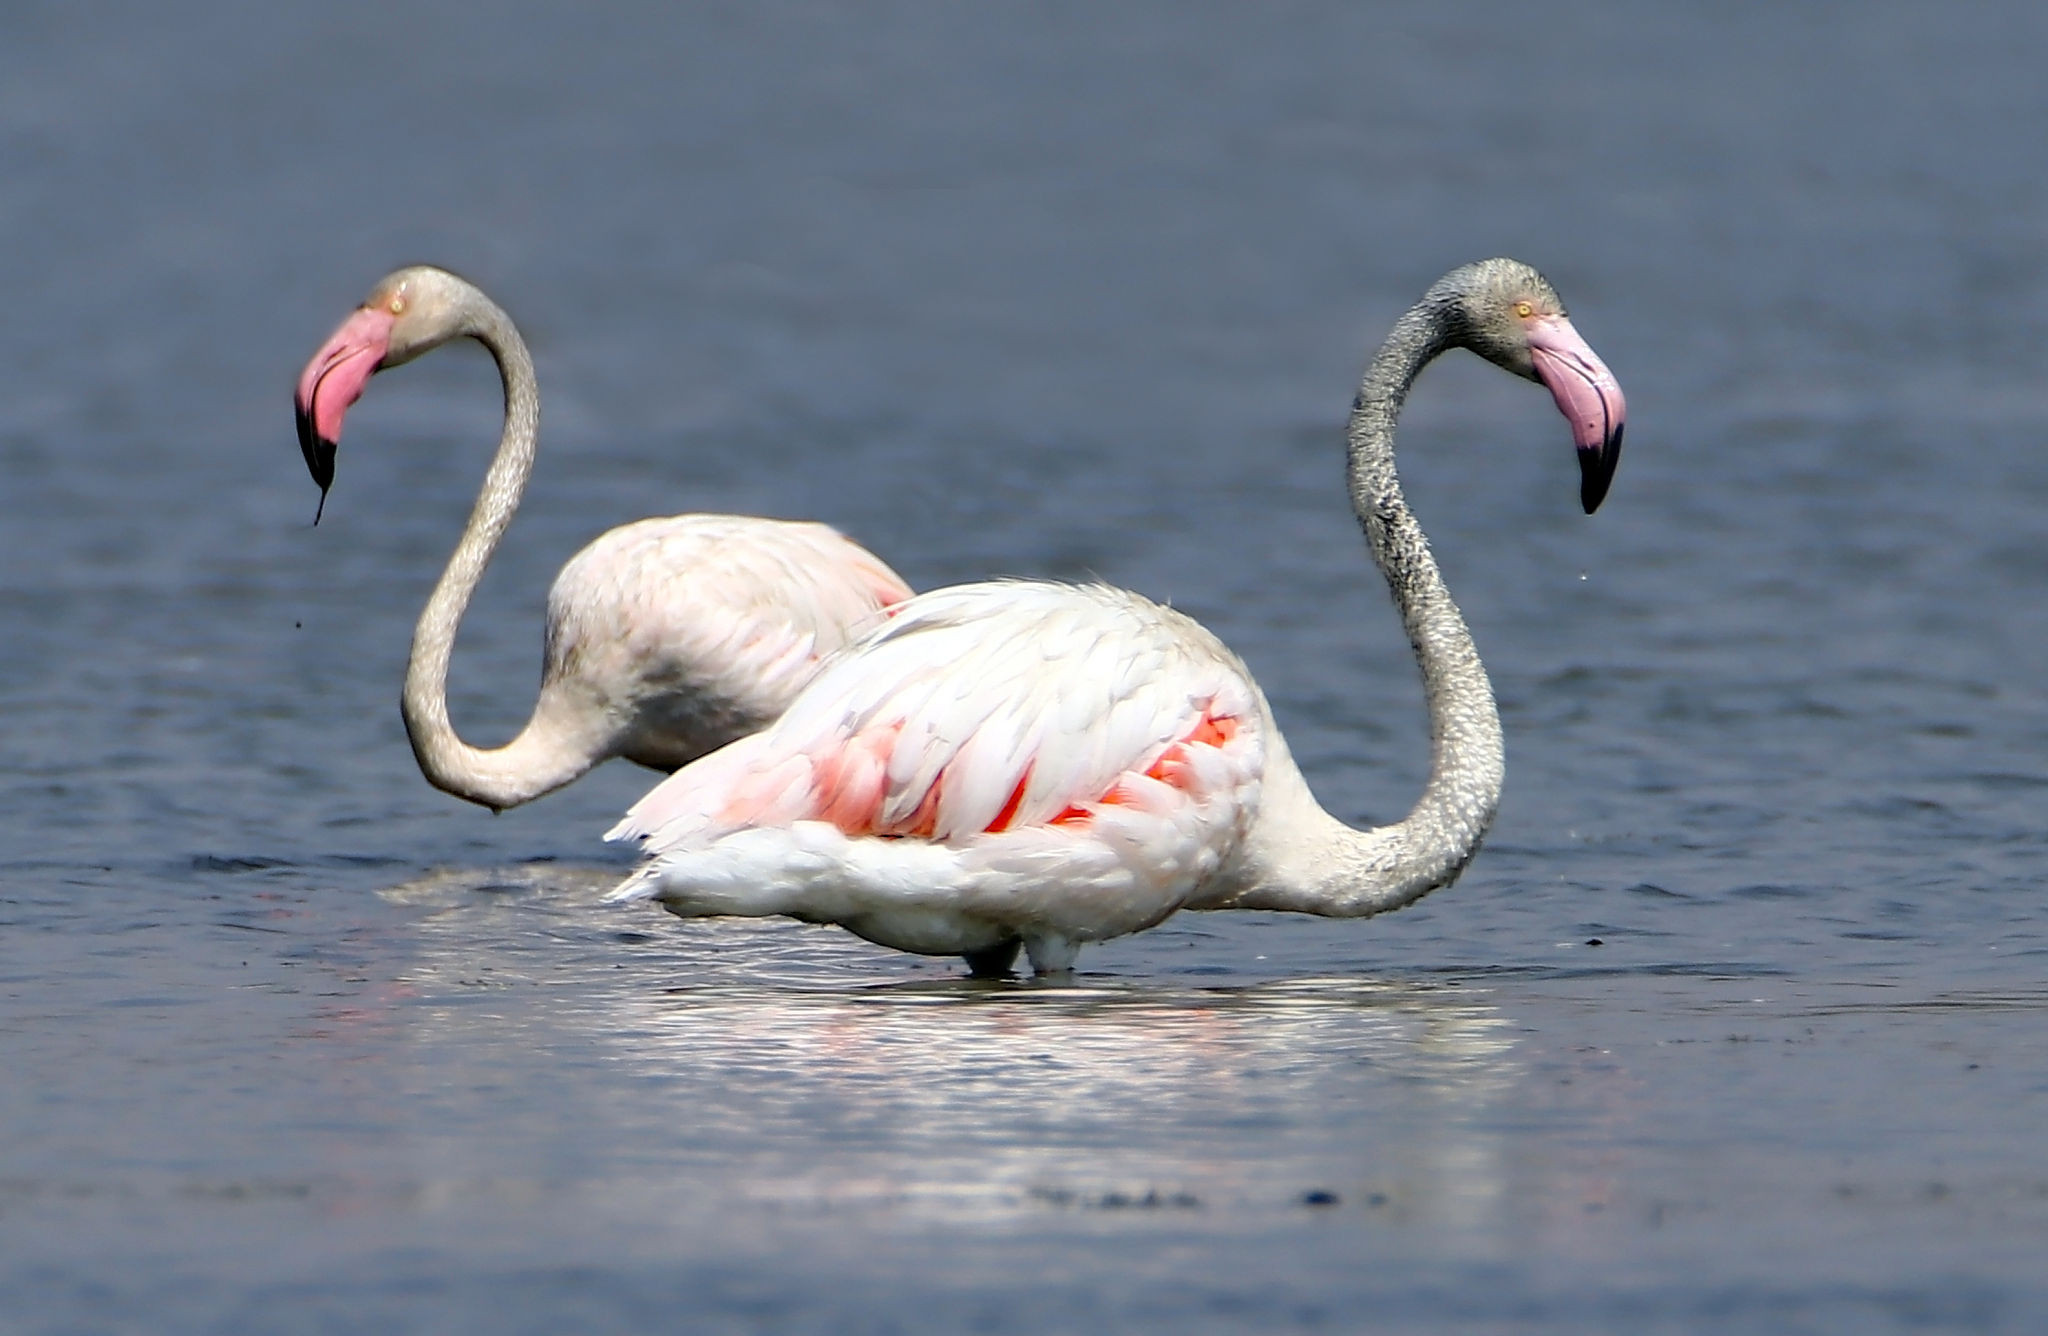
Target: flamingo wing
(990, 754)
(707, 626)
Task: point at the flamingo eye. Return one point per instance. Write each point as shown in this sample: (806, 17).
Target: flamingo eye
(397, 305)
(1524, 310)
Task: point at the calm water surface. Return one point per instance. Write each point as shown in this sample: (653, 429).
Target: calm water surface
(1740, 1020)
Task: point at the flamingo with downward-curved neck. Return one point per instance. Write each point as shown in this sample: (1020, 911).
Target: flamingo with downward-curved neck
(1041, 765)
(665, 638)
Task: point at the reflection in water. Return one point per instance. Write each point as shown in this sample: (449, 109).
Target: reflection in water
(785, 1074)
(979, 1097)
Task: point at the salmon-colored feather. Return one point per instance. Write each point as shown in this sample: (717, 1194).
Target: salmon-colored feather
(946, 751)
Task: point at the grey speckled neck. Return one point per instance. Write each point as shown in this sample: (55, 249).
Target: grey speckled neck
(1309, 861)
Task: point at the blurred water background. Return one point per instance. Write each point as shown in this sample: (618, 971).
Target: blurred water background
(1738, 1022)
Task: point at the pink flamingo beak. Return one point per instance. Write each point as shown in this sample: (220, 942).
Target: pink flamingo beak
(1588, 396)
(332, 381)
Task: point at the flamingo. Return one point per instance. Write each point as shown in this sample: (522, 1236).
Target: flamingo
(666, 638)
(1023, 763)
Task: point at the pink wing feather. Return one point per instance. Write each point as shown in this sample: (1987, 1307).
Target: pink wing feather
(978, 710)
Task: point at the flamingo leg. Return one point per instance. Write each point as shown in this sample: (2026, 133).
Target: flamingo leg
(1051, 953)
(993, 962)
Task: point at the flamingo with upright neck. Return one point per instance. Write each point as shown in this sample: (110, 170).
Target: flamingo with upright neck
(665, 639)
(1039, 765)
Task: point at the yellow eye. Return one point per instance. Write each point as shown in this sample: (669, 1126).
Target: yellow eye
(1524, 310)
(397, 305)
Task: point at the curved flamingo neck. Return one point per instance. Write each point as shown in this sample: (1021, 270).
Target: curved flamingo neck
(549, 751)
(1315, 862)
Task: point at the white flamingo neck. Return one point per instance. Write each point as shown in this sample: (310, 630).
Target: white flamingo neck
(553, 747)
(1308, 859)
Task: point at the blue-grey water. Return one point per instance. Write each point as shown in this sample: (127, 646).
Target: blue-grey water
(1738, 1023)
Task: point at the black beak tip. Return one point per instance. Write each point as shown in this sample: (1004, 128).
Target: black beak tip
(1596, 471)
(319, 453)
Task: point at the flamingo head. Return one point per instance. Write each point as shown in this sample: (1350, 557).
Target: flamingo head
(407, 313)
(1509, 314)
